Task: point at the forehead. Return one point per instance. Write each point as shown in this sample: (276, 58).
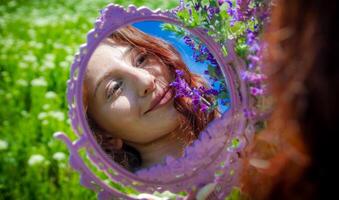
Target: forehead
(106, 54)
(106, 57)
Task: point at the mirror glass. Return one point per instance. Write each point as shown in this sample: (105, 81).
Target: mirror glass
(150, 88)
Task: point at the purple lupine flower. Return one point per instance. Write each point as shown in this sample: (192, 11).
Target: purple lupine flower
(231, 12)
(253, 58)
(212, 59)
(203, 107)
(230, 4)
(189, 41)
(250, 36)
(208, 91)
(197, 6)
(252, 76)
(254, 47)
(211, 11)
(179, 73)
(203, 49)
(243, 10)
(251, 40)
(249, 113)
(214, 62)
(182, 89)
(212, 92)
(201, 54)
(256, 91)
(196, 98)
(220, 2)
(180, 85)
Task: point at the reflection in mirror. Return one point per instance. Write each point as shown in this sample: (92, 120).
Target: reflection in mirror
(149, 90)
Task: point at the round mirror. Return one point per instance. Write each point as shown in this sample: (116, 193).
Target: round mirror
(156, 106)
(149, 90)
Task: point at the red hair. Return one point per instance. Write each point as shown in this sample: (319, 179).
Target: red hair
(303, 77)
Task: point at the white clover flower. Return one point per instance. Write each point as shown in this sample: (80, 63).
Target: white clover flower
(64, 64)
(62, 165)
(39, 45)
(69, 51)
(35, 159)
(46, 106)
(9, 42)
(48, 65)
(23, 65)
(44, 122)
(50, 143)
(41, 21)
(3, 145)
(31, 33)
(22, 82)
(42, 115)
(24, 113)
(57, 115)
(39, 82)
(69, 58)
(59, 156)
(50, 95)
(50, 57)
(58, 46)
(30, 58)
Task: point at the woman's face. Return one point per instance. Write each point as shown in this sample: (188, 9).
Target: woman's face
(129, 95)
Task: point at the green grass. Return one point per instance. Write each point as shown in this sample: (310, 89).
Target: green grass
(38, 39)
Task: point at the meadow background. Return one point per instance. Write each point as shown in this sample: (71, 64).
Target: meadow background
(38, 39)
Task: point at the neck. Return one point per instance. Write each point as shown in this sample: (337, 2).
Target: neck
(172, 144)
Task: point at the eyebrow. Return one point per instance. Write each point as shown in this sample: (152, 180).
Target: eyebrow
(108, 73)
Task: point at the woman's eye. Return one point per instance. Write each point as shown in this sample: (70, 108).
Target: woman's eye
(141, 60)
(113, 89)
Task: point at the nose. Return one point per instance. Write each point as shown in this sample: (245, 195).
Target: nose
(145, 83)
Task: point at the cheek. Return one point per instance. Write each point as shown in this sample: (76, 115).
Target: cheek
(161, 70)
(121, 113)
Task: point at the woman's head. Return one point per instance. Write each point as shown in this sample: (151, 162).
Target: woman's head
(127, 91)
(303, 77)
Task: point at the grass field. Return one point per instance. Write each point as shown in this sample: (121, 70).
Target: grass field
(38, 39)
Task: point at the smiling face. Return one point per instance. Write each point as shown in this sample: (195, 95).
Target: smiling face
(128, 93)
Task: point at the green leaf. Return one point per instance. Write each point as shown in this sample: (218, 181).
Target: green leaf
(222, 95)
(235, 142)
(238, 28)
(224, 50)
(178, 31)
(234, 195)
(212, 71)
(195, 18)
(184, 16)
(213, 107)
(169, 27)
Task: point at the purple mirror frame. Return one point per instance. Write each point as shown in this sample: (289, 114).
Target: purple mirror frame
(210, 160)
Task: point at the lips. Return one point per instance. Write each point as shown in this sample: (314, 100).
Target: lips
(161, 99)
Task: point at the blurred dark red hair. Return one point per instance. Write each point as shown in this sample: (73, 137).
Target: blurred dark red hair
(288, 160)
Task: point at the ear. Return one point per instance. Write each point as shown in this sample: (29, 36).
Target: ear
(110, 141)
(116, 143)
